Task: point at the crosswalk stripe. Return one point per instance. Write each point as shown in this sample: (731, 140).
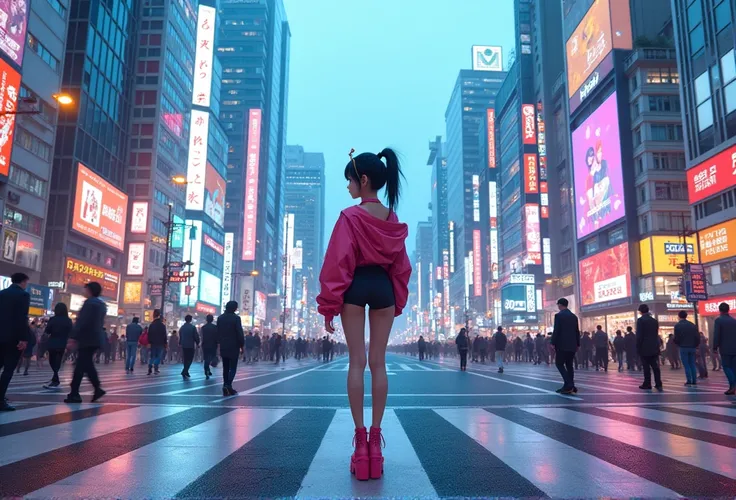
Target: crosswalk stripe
(426, 368)
(65, 461)
(205, 445)
(686, 421)
(530, 387)
(41, 411)
(405, 367)
(707, 456)
(328, 475)
(709, 412)
(457, 465)
(533, 456)
(28, 444)
(59, 418)
(272, 464)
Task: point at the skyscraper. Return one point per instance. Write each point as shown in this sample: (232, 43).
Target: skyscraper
(254, 51)
(304, 196)
(85, 232)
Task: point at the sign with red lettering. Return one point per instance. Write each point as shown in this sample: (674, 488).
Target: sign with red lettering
(253, 158)
(528, 124)
(712, 176)
(531, 178)
(710, 307)
(605, 276)
(477, 271)
(213, 245)
(203, 55)
(491, 115)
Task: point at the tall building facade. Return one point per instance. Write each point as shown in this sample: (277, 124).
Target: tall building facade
(31, 63)
(424, 268)
(304, 197)
(473, 94)
(704, 42)
(440, 282)
(85, 233)
(254, 51)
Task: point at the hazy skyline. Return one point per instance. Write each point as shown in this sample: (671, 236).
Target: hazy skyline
(370, 75)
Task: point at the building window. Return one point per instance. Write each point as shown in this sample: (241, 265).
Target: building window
(664, 103)
(695, 27)
(566, 261)
(669, 161)
(30, 142)
(58, 7)
(703, 101)
(639, 165)
(637, 136)
(642, 194)
(47, 112)
(644, 224)
(663, 76)
(591, 246)
(670, 191)
(616, 236)
(728, 77)
(672, 221)
(42, 52)
(723, 15)
(18, 219)
(668, 132)
(666, 285)
(27, 181)
(646, 285)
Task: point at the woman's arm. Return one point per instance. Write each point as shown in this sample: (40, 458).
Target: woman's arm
(338, 269)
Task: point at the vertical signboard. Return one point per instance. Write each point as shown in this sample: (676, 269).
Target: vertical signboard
(9, 89)
(202, 85)
(533, 234)
(251, 185)
(192, 252)
(289, 232)
(531, 179)
(528, 125)
(227, 269)
(136, 258)
(100, 209)
(197, 159)
(446, 286)
(547, 255)
(476, 198)
(477, 271)
(493, 211)
(452, 247)
(491, 118)
(139, 217)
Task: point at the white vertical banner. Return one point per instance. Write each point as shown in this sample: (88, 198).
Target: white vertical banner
(419, 285)
(203, 56)
(197, 159)
(289, 231)
(227, 269)
(245, 298)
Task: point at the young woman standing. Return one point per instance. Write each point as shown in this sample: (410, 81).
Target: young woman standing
(366, 265)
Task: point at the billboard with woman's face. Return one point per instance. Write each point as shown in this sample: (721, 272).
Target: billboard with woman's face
(599, 185)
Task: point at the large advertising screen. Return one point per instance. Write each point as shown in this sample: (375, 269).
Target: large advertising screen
(533, 234)
(605, 276)
(202, 87)
(477, 270)
(100, 209)
(9, 88)
(13, 22)
(666, 254)
(253, 159)
(519, 299)
(227, 269)
(214, 195)
(491, 118)
(79, 273)
(605, 27)
(528, 124)
(210, 287)
(599, 185)
(531, 179)
(136, 259)
(712, 176)
(718, 242)
(197, 159)
(476, 198)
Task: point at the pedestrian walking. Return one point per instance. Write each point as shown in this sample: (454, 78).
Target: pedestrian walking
(702, 358)
(422, 347)
(86, 338)
(133, 334)
(566, 341)
(619, 346)
(188, 338)
(648, 347)
(157, 342)
(209, 344)
(461, 341)
(366, 265)
(600, 340)
(57, 330)
(687, 338)
(15, 334)
(500, 341)
(232, 341)
(724, 343)
(632, 357)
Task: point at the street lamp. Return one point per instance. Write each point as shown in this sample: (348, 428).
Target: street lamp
(63, 98)
(179, 179)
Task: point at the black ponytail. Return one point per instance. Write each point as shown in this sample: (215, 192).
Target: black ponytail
(393, 177)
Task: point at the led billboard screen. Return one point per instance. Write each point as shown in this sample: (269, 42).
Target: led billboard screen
(100, 209)
(491, 117)
(599, 185)
(718, 242)
(210, 288)
(253, 158)
(533, 234)
(214, 195)
(9, 88)
(13, 22)
(605, 276)
(712, 176)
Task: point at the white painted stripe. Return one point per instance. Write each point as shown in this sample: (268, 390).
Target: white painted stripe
(422, 367)
(165, 467)
(596, 386)
(676, 419)
(538, 458)
(40, 411)
(530, 387)
(214, 384)
(708, 456)
(329, 476)
(395, 395)
(28, 444)
(714, 409)
(405, 367)
(269, 384)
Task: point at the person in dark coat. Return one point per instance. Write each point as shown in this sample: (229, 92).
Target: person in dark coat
(15, 334)
(619, 345)
(87, 336)
(566, 341)
(422, 346)
(133, 334)
(687, 338)
(586, 349)
(58, 330)
(232, 341)
(647, 345)
(256, 347)
(600, 340)
(632, 358)
(157, 340)
(250, 343)
(208, 332)
(540, 344)
(188, 338)
(724, 342)
(462, 348)
(499, 344)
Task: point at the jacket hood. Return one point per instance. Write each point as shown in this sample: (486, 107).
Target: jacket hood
(379, 241)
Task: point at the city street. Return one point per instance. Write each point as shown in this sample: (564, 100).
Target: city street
(448, 434)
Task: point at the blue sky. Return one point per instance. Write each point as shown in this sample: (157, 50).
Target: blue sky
(369, 74)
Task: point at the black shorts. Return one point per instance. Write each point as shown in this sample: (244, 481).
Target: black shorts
(371, 287)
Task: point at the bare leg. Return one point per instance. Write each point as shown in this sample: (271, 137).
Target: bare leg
(353, 322)
(381, 321)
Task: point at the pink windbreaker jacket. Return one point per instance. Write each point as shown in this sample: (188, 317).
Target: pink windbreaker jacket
(360, 239)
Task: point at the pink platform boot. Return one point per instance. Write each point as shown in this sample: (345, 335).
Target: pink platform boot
(359, 463)
(375, 443)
